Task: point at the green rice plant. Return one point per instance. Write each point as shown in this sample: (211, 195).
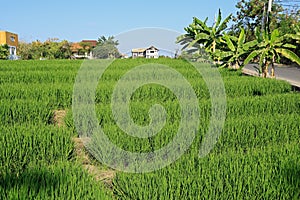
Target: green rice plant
(32, 143)
(24, 111)
(256, 157)
(267, 173)
(61, 180)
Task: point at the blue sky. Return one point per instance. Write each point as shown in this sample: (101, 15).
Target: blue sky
(78, 20)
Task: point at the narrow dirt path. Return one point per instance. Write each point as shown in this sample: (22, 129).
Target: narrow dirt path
(59, 117)
(99, 173)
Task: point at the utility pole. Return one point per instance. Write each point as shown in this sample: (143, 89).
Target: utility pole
(264, 20)
(269, 15)
(270, 6)
(269, 33)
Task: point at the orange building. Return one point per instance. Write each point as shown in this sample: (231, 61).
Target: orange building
(83, 49)
(11, 39)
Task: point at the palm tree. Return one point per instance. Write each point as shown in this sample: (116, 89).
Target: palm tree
(110, 40)
(199, 33)
(269, 48)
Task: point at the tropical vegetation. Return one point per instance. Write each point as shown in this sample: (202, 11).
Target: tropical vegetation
(270, 47)
(4, 52)
(106, 48)
(248, 39)
(257, 155)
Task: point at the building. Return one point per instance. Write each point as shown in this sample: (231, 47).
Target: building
(83, 49)
(151, 52)
(11, 39)
(92, 43)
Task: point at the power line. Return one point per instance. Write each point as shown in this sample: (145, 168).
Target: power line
(288, 1)
(290, 5)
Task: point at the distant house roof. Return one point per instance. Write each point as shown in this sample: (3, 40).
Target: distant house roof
(77, 45)
(92, 42)
(153, 47)
(141, 50)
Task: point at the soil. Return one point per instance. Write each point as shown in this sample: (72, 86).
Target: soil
(58, 117)
(104, 175)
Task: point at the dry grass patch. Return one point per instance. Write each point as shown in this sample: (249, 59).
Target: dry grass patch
(59, 117)
(104, 175)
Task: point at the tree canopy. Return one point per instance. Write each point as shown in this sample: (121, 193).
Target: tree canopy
(106, 48)
(50, 49)
(252, 14)
(4, 51)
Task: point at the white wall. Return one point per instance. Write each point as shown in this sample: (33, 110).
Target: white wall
(152, 53)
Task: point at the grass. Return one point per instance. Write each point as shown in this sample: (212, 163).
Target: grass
(256, 157)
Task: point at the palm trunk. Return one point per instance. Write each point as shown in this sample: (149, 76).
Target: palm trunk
(273, 68)
(236, 66)
(265, 70)
(273, 71)
(214, 46)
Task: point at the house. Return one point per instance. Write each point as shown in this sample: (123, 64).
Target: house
(10, 39)
(83, 49)
(151, 52)
(92, 43)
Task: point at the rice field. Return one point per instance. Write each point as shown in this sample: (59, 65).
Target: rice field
(256, 157)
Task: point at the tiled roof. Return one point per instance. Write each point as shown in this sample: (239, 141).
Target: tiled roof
(75, 46)
(140, 50)
(92, 42)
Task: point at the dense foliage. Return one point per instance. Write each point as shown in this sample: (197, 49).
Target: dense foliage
(257, 34)
(4, 52)
(106, 48)
(50, 49)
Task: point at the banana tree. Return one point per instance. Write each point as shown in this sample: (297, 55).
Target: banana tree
(269, 48)
(296, 38)
(200, 33)
(235, 49)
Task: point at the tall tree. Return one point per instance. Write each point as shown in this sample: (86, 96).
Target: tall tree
(110, 40)
(106, 48)
(252, 14)
(287, 22)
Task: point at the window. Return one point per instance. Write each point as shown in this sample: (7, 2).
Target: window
(12, 38)
(151, 51)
